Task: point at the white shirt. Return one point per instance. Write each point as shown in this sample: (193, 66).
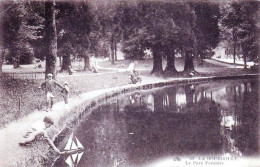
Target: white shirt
(38, 126)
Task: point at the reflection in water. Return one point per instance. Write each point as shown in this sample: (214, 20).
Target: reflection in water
(215, 118)
(166, 100)
(181, 99)
(150, 102)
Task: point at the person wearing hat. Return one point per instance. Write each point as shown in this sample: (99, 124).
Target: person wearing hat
(49, 85)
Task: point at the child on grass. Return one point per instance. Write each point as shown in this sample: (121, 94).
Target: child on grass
(39, 128)
(36, 129)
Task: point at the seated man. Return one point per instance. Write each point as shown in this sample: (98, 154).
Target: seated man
(135, 77)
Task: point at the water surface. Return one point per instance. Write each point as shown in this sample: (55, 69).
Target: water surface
(212, 118)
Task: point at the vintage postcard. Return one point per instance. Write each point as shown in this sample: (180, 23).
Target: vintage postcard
(129, 83)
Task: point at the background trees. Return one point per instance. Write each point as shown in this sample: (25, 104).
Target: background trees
(240, 21)
(165, 28)
(231, 21)
(97, 28)
(207, 28)
(74, 21)
(249, 32)
(20, 26)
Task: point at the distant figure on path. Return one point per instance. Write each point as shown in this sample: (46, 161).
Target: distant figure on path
(133, 73)
(71, 71)
(65, 93)
(135, 77)
(93, 64)
(131, 67)
(49, 85)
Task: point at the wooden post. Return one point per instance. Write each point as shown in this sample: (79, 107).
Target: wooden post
(19, 104)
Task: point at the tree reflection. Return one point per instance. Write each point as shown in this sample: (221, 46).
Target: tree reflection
(185, 119)
(181, 99)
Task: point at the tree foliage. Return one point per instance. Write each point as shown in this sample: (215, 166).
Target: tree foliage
(207, 28)
(84, 28)
(73, 24)
(240, 20)
(21, 27)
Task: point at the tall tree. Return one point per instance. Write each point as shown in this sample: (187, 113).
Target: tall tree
(110, 17)
(1, 43)
(75, 23)
(154, 29)
(50, 38)
(249, 32)
(21, 26)
(231, 19)
(186, 20)
(172, 45)
(12, 21)
(207, 28)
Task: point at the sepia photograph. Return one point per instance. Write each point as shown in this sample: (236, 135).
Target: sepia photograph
(129, 83)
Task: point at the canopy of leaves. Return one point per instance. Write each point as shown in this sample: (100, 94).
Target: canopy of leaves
(22, 26)
(241, 23)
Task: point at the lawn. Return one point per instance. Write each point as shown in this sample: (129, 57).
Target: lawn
(26, 92)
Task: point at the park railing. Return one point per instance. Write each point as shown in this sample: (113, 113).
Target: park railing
(26, 75)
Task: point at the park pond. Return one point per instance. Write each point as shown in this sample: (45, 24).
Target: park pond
(211, 118)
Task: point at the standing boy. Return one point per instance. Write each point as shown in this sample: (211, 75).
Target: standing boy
(49, 85)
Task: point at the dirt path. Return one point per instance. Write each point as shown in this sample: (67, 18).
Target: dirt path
(221, 64)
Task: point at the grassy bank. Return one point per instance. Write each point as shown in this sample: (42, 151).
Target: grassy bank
(20, 97)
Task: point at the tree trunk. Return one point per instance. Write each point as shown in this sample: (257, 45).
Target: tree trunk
(244, 58)
(157, 63)
(1, 63)
(188, 64)
(86, 63)
(115, 50)
(202, 56)
(15, 55)
(172, 99)
(234, 56)
(60, 59)
(112, 50)
(50, 38)
(234, 47)
(170, 67)
(158, 102)
(66, 63)
(189, 95)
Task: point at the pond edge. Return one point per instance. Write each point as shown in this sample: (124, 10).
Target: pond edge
(82, 106)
